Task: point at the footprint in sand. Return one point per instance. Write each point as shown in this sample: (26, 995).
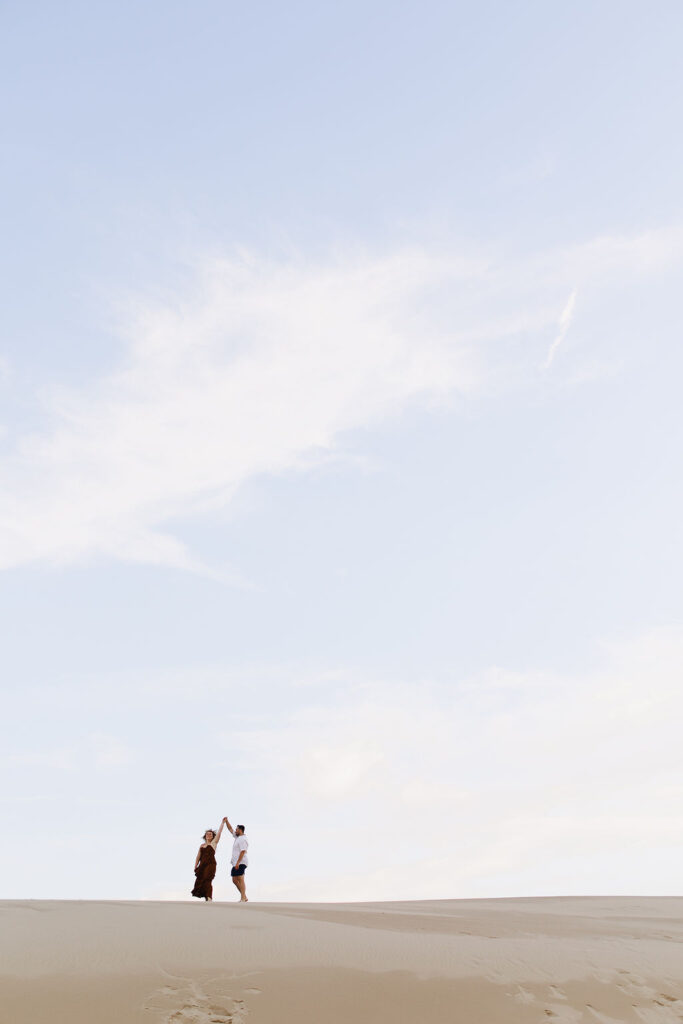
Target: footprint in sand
(649, 1005)
(190, 1014)
(560, 1013)
(667, 1010)
(188, 1004)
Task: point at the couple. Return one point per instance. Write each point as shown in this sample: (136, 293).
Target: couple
(205, 864)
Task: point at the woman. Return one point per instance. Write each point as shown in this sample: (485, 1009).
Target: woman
(205, 864)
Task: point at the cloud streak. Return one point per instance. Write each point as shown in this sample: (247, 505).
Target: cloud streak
(258, 372)
(564, 323)
(262, 368)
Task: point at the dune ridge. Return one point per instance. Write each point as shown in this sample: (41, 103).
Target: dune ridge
(559, 960)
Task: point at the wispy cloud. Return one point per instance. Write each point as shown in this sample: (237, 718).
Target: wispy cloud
(564, 323)
(261, 367)
(259, 371)
(472, 787)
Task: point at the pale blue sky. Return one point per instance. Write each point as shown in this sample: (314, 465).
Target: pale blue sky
(340, 446)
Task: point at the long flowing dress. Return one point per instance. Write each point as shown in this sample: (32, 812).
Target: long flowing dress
(205, 873)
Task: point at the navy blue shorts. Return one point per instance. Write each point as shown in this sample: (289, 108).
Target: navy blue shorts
(238, 872)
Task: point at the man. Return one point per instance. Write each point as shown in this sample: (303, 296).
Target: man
(239, 859)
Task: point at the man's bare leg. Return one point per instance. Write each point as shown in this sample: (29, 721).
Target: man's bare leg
(236, 883)
(242, 888)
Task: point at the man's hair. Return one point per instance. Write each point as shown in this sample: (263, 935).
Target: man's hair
(242, 827)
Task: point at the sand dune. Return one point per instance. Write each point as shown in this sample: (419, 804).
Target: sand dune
(563, 960)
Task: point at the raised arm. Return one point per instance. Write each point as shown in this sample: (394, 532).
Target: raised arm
(218, 834)
(226, 822)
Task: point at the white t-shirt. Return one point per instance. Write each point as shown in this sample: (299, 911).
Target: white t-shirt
(237, 847)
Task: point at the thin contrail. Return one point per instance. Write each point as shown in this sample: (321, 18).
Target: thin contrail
(563, 323)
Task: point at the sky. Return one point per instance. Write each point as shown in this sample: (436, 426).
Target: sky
(340, 434)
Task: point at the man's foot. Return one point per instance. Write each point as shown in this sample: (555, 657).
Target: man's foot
(244, 900)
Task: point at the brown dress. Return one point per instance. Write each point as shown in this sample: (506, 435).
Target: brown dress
(205, 873)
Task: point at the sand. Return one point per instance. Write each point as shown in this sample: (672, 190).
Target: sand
(562, 961)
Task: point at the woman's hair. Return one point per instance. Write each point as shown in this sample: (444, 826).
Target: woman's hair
(212, 831)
